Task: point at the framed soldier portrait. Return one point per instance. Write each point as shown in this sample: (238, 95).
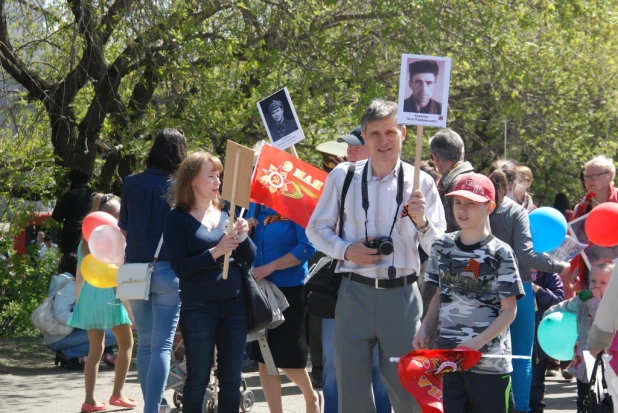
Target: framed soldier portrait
(280, 119)
(423, 90)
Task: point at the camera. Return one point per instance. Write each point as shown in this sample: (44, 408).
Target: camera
(384, 245)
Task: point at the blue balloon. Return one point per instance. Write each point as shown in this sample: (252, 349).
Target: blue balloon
(548, 228)
(557, 335)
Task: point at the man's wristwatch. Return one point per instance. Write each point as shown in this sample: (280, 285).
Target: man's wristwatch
(424, 228)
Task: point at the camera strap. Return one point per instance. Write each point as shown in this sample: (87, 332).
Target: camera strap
(365, 195)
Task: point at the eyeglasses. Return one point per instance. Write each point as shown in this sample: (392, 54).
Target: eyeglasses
(593, 177)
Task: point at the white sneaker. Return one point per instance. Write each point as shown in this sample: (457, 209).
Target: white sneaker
(165, 408)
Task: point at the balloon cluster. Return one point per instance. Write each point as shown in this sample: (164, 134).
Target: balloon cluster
(106, 244)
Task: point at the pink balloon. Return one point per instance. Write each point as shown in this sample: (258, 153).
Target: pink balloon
(96, 219)
(107, 244)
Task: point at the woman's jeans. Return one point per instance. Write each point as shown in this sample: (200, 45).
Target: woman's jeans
(76, 344)
(204, 325)
(329, 379)
(522, 341)
(156, 320)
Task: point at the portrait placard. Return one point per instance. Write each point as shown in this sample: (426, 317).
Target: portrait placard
(592, 253)
(238, 167)
(279, 118)
(423, 90)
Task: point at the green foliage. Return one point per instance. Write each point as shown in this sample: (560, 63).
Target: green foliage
(548, 69)
(24, 282)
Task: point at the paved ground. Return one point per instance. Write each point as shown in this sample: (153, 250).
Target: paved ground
(51, 389)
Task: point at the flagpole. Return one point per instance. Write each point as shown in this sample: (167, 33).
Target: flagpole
(226, 260)
(417, 156)
(488, 356)
(293, 151)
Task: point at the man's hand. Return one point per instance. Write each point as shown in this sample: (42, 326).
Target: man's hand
(421, 340)
(567, 269)
(263, 271)
(416, 208)
(361, 255)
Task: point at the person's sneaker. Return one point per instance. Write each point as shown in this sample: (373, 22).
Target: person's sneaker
(250, 366)
(551, 373)
(566, 374)
(165, 408)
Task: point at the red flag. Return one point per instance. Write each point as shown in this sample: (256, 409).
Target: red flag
(421, 373)
(286, 184)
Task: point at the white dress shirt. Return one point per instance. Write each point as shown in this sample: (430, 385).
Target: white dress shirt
(322, 227)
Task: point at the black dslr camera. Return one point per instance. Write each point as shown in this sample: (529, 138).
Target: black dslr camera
(384, 245)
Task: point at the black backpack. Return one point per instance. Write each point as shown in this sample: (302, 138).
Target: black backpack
(321, 288)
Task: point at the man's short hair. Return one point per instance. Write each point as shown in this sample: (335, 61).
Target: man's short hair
(423, 66)
(47, 238)
(447, 145)
(378, 109)
(77, 177)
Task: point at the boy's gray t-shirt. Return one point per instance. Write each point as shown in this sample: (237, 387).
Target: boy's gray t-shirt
(472, 280)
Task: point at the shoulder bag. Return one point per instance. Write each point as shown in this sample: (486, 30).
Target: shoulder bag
(43, 316)
(134, 278)
(321, 288)
(592, 400)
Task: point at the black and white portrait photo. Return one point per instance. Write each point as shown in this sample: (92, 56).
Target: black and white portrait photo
(423, 90)
(593, 253)
(280, 119)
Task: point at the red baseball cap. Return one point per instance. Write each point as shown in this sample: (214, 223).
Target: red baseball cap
(475, 187)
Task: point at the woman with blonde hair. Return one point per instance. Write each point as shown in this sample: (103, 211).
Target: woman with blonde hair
(96, 310)
(213, 310)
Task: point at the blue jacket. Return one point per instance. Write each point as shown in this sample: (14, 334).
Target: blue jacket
(275, 240)
(550, 293)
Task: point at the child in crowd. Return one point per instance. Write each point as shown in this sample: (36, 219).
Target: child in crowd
(585, 305)
(549, 291)
(96, 310)
(478, 285)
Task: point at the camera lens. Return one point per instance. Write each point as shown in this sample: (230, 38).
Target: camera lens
(386, 247)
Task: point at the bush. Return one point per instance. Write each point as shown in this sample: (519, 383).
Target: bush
(24, 283)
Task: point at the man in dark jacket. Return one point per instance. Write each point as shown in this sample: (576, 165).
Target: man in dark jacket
(447, 152)
(71, 209)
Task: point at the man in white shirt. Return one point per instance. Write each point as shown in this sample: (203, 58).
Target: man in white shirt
(379, 302)
(48, 245)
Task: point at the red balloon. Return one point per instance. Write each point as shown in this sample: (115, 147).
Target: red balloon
(96, 219)
(602, 225)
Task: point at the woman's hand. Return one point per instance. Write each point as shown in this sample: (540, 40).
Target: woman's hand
(227, 244)
(241, 226)
(263, 271)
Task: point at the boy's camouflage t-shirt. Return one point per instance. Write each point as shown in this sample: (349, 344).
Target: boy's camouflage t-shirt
(472, 280)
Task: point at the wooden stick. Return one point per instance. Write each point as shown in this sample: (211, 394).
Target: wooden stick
(230, 225)
(293, 151)
(417, 157)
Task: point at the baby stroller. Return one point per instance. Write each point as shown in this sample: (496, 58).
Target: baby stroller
(178, 371)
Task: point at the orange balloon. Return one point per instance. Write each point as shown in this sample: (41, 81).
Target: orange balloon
(97, 273)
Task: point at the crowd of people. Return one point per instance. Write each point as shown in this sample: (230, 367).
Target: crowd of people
(446, 264)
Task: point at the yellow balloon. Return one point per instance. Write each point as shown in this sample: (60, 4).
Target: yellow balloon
(97, 273)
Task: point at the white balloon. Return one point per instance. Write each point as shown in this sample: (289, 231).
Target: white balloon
(107, 244)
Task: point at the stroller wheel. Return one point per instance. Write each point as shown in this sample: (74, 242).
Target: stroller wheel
(177, 399)
(247, 398)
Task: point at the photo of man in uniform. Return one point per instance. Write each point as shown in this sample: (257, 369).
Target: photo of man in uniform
(423, 75)
(278, 125)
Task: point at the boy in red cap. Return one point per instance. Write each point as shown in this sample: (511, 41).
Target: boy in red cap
(478, 285)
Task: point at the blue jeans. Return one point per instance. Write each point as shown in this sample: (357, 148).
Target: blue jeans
(76, 344)
(204, 325)
(156, 321)
(329, 379)
(522, 341)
